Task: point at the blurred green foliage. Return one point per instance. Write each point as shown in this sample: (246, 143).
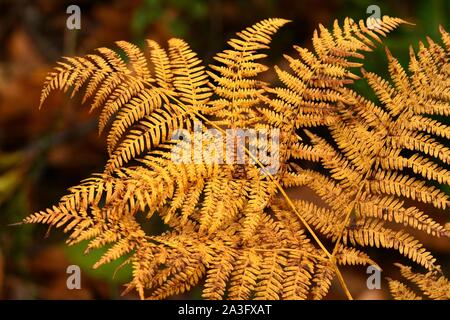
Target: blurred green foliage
(116, 272)
(180, 12)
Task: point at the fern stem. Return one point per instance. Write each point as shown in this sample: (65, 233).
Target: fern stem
(342, 282)
(347, 217)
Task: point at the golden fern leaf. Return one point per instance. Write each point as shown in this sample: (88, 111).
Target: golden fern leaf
(393, 209)
(322, 280)
(374, 146)
(182, 281)
(260, 194)
(401, 292)
(298, 273)
(157, 126)
(161, 62)
(145, 116)
(233, 224)
(189, 77)
(244, 276)
(270, 284)
(235, 77)
(352, 256)
(218, 275)
(374, 234)
(433, 284)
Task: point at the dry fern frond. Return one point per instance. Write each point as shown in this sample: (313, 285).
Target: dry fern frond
(401, 292)
(236, 85)
(233, 225)
(140, 110)
(432, 284)
(379, 155)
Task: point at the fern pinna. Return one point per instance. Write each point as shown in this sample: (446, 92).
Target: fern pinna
(234, 226)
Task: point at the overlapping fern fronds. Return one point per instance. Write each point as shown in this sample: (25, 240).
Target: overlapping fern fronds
(232, 224)
(432, 284)
(380, 153)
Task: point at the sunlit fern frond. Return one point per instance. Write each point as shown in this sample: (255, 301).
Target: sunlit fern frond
(376, 166)
(401, 292)
(380, 163)
(432, 285)
(235, 78)
(139, 108)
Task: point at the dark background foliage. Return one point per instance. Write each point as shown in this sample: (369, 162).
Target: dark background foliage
(42, 153)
